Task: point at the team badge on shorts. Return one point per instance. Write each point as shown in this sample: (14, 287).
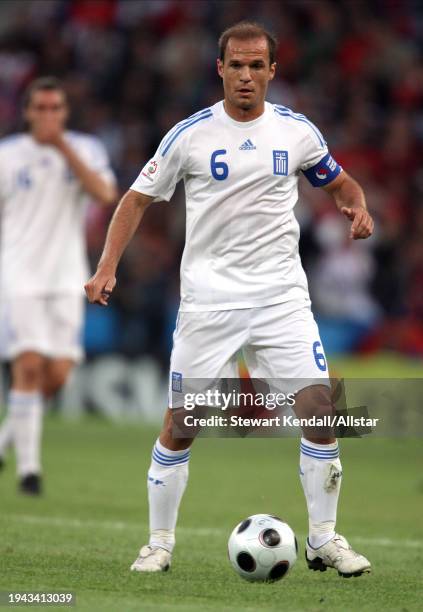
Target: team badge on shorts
(177, 382)
(280, 163)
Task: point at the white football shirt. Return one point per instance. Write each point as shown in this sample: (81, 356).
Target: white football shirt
(241, 185)
(42, 215)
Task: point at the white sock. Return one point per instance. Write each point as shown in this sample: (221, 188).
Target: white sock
(167, 480)
(6, 435)
(26, 415)
(321, 475)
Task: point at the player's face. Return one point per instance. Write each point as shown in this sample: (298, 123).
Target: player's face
(46, 112)
(246, 72)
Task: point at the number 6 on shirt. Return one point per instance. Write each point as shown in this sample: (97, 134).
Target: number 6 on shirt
(219, 169)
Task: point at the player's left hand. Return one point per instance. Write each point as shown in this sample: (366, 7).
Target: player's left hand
(362, 223)
(100, 286)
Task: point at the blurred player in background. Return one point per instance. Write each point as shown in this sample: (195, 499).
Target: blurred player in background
(46, 177)
(242, 282)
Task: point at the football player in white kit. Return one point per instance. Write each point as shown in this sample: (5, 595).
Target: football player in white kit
(242, 283)
(46, 177)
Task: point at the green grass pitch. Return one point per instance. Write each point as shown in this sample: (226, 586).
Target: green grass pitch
(87, 529)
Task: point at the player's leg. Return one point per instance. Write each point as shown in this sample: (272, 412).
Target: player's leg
(24, 345)
(53, 375)
(204, 349)
(167, 479)
(52, 326)
(287, 341)
(56, 373)
(166, 482)
(25, 410)
(321, 477)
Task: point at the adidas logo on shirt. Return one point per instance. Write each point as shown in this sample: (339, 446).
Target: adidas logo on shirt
(247, 146)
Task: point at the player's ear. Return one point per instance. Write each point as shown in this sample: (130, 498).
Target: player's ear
(272, 71)
(220, 67)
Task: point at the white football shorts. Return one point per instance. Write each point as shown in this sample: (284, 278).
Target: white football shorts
(279, 343)
(50, 325)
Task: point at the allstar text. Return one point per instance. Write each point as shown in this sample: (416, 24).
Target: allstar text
(280, 421)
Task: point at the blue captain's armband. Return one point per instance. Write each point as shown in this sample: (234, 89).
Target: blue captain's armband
(324, 172)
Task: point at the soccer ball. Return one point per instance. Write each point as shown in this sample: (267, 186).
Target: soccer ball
(262, 548)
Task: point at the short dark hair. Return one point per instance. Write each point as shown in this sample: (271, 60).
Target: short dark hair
(47, 83)
(246, 30)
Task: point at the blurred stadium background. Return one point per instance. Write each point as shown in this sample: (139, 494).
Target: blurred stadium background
(132, 69)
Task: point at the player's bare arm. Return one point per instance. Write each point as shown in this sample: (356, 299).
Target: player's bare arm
(350, 200)
(101, 190)
(122, 227)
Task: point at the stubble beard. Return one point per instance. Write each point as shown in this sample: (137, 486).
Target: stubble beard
(244, 104)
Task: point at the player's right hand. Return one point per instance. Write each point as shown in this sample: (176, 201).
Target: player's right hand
(100, 287)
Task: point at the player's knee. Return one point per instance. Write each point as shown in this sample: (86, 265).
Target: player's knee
(314, 401)
(27, 371)
(322, 410)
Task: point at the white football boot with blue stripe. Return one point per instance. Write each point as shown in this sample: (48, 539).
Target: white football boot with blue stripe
(152, 560)
(337, 553)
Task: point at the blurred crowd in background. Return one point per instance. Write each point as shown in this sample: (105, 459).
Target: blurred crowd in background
(132, 69)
